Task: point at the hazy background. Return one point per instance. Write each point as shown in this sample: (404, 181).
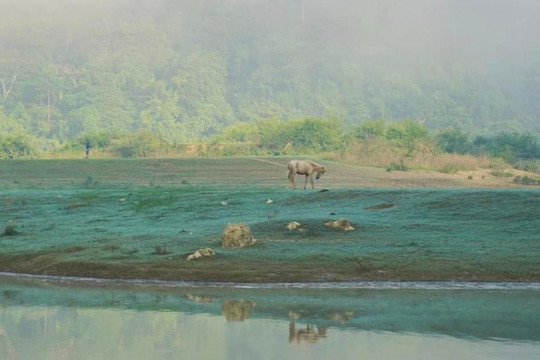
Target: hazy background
(186, 69)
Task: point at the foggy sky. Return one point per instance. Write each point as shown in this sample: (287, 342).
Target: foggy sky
(480, 32)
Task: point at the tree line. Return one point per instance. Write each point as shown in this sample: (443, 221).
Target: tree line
(184, 72)
(313, 136)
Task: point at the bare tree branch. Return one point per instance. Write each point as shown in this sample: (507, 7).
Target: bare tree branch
(7, 88)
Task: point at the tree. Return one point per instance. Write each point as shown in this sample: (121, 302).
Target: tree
(316, 134)
(370, 129)
(161, 117)
(406, 134)
(454, 141)
(201, 85)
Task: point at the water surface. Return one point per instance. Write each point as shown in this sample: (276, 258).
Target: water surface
(42, 318)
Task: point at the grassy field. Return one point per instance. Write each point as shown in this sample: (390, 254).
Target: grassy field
(142, 218)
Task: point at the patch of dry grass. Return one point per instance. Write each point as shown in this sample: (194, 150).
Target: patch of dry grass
(380, 152)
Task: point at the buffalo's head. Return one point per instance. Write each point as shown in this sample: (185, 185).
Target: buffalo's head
(320, 172)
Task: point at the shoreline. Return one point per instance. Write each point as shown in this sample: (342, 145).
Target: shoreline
(364, 285)
(227, 270)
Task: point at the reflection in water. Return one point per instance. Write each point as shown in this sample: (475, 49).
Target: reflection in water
(306, 335)
(46, 321)
(200, 299)
(237, 310)
(342, 317)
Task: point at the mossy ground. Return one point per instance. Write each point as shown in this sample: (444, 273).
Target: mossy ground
(108, 219)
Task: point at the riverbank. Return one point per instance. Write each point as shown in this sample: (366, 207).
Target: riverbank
(140, 219)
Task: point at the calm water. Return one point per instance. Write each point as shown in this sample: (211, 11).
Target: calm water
(65, 319)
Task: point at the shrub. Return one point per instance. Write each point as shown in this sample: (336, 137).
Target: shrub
(500, 173)
(454, 141)
(99, 140)
(526, 180)
(10, 229)
(161, 249)
(17, 147)
(138, 145)
(397, 166)
(450, 168)
(89, 182)
(510, 146)
(370, 129)
(530, 166)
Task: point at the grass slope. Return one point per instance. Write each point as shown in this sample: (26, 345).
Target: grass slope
(113, 218)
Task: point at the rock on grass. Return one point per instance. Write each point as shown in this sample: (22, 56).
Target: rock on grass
(237, 236)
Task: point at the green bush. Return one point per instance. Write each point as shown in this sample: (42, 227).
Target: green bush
(316, 134)
(370, 129)
(98, 140)
(511, 146)
(17, 147)
(530, 166)
(526, 180)
(453, 141)
(278, 137)
(450, 169)
(397, 166)
(500, 173)
(138, 145)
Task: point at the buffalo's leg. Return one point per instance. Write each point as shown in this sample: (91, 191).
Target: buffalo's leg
(291, 181)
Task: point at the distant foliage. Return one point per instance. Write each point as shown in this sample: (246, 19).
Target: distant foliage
(17, 147)
(454, 141)
(137, 145)
(510, 146)
(276, 136)
(400, 166)
(184, 71)
(370, 129)
(526, 180)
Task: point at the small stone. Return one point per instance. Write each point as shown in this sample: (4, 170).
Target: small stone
(207, 252)
(342, 224)
(293, 225)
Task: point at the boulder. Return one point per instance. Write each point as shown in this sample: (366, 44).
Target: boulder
(341, 224)
(199, 254)
(237, 236)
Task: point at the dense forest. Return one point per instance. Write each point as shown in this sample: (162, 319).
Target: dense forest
(186, 70)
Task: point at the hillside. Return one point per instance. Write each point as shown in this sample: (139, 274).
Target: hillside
(185, 70)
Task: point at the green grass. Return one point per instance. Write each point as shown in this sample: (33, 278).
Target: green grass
(114, 229)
